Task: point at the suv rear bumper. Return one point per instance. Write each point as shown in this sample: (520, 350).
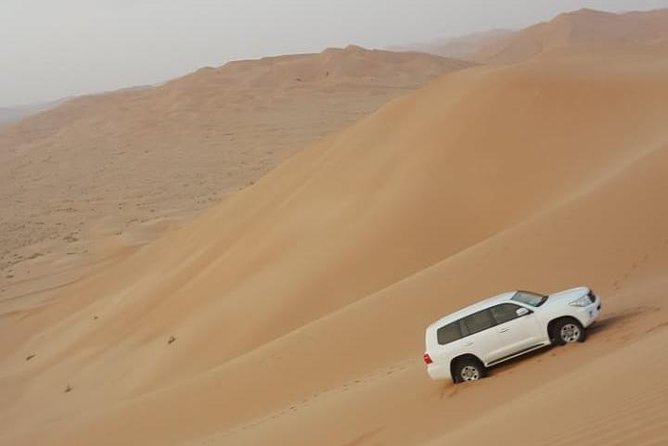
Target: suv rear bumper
(439, 371)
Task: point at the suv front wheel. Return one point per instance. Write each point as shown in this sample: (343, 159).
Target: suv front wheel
(567, 331)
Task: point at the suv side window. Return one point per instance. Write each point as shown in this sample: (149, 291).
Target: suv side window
(504, 312)
(482, 320)
(449, 333)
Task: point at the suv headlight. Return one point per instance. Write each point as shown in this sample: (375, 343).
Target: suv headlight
(581, 301)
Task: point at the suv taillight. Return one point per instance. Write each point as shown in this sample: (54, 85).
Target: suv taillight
(427, 359)
(592, 296)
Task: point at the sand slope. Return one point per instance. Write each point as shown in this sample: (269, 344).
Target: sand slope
(578, 28)
(297, 306)
(126, 166)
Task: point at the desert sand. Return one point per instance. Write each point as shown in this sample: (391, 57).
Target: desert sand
(293, 312)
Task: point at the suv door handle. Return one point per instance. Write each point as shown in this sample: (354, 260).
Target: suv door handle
(468, 344)
(503, 330)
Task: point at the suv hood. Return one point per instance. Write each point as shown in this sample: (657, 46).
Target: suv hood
(567, 295)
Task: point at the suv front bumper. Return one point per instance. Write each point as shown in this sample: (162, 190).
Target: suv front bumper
(587, 315)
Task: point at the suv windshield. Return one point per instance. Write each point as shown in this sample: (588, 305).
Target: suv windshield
(533, 299)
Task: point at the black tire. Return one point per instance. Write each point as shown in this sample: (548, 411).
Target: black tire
(567, 331)
(468, 369)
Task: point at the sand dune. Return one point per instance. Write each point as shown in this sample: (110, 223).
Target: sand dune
(117, 164)
(293, 312)
(583, 27)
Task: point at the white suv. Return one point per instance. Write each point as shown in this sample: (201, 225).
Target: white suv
(462, 345)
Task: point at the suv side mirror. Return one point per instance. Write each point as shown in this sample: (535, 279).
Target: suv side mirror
(522, 311)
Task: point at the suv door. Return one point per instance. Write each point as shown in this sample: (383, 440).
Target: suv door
(513, 333)
(478, 334)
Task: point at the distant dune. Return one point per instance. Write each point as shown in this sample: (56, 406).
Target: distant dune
(112, 162)
(293, 312)
(577, 28)
(462, 47)
(10, 115)
(583, 27)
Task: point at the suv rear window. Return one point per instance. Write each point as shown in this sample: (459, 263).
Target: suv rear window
(449, 333)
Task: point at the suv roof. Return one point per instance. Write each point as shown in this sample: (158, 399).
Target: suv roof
(503, 297)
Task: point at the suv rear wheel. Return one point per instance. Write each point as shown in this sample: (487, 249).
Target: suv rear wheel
(567, 331)
(468, 369)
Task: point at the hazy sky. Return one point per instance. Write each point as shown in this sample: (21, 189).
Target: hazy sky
(55, 48)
